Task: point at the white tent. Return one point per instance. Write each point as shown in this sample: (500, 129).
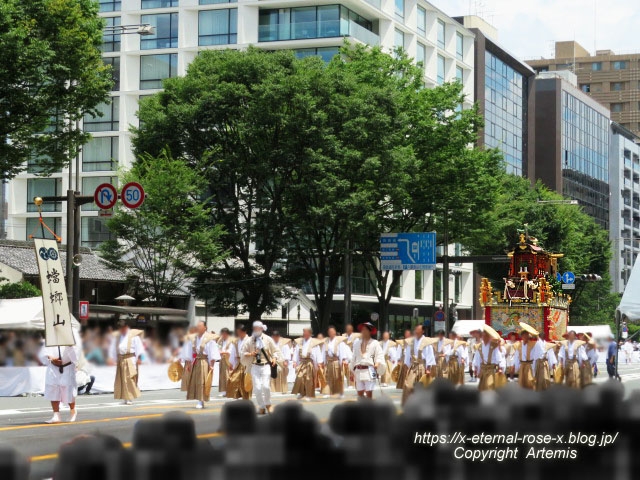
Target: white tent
(23, 314)
(630, 304)
(463, 327)
(601, 333)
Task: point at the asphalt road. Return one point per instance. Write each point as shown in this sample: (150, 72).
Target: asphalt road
(22, 427)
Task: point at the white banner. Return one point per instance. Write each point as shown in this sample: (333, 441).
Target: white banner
(57, 319)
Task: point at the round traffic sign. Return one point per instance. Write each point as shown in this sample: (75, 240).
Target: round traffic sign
(132, 195)
(105, 196)
(439, 315)
(568, 277)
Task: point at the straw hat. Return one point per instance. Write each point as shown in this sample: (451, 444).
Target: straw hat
(175, 371)
(207, 384)
(248, 383)
(491, 331)
(529, 329)
(395, 374)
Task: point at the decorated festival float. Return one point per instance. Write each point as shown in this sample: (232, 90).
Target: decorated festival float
(531, 293)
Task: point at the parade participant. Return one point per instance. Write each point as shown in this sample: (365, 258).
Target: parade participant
(236, 382)
(201, 353)
(125, 351)
(442, 351)
(320, 374)
(306, 359)
(458, 357)
(336, 355)
(389, 351)
(184, 384)
(367, 361)
(226, 348)
(528, 351)
(586, 369)
(351, 336)
(627, 348)
(419, 358)
(571, 356)
(60, 378)
(545, 365)
(510, 357)
(400, 353)
(488, 360)
(473, 344)
(259, 354)
(279, 384)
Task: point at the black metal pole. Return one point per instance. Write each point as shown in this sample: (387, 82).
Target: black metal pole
(71, 202)
(347, 285)
(445, 273)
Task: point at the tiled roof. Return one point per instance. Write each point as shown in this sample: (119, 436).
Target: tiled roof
(22, 257)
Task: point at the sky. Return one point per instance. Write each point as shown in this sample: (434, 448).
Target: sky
(529, 28)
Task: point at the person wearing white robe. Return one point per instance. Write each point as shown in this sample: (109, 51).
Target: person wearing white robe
(525, 359)
(226, 346)
(367, 361)
(571, 359)
(60, 386)
(336, 355)
(306, 361)
(118, 349)
(390, 354)
(488, 361)
(210, 353)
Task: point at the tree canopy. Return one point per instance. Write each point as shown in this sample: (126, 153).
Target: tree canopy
(51, 74)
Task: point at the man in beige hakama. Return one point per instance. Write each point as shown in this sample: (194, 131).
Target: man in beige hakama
(202, 353)
(226, 347)
(442, 350)
(236, 384)
(545, 365)
(419, 359)
(350, 336)
(586, 369)
(306, 359)
(125, 351)
(184, 383)
(389, 351)
(336, 356)
(527, 353)
(571, 357)
(458, 356)
(280, 384)
(488, 360)
(400, 352)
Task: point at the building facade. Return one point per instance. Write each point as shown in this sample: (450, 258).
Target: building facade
(612, 79)
(624, 178)
(185, 27)
(572, 143)
(504, 93)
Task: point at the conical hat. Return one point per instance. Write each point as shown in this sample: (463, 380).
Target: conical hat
(353, 338)
(401, 342)
(426, 341)
(491, 331)
(283, 341)
(529, 329)
(175, 371)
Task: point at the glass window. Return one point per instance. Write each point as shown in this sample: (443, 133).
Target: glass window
(110, 42)
(460, 75)
(586, 88)
(437, 285)
(89, 185)
(399, 39)
(421, 54)
(115, 71)
(399, 9)
(441, 30)
(166, 31)
(418, 284)
(34, 228)
(459, 45)
(100, 153)
(457, 288)
(212, 2)
(218, 27)
(617, 107)
(326, 53)
(44, 187)
(94, 231)
(155, 68)
(422, 21)
(440, 69)
(109, 5)
(35, 164)
(596, 66)
(620, 65)
(159, 3)
(617, 86)
(109, 121)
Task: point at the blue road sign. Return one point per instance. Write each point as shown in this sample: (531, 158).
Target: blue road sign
(408, 251)
(558, 276)
(568, 277)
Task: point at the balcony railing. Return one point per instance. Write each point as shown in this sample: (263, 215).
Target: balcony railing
(321, 29)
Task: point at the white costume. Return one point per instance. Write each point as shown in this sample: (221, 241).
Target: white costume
(344, 352)
(362, 364)
(315, 354)
(551, 356)
(136, 347)
(521, 355)
(211, 350)
(61, 386)
(461, 352)
(496, 359)
(567, 353)
(428, 355)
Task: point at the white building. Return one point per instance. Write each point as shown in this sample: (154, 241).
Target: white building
(624, 205)
(185, 27)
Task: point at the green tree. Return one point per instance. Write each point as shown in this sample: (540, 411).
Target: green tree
(162, 244)
(19, 290)
(560, 228)
(51, 73)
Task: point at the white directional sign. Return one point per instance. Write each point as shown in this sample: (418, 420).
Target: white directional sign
(57, 319)
(132, 195)
(105, 196)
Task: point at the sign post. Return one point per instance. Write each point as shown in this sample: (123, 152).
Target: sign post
(84, 310)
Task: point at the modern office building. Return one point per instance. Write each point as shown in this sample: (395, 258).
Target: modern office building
(572, 143)
(3, 209)
(612, 79)
(624, 181)
(504, 92)
(185, 27)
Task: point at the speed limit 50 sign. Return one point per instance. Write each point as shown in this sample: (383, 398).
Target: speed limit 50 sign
(132, 195)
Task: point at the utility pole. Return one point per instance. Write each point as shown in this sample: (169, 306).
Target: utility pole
(445, 273)
(347, 284)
